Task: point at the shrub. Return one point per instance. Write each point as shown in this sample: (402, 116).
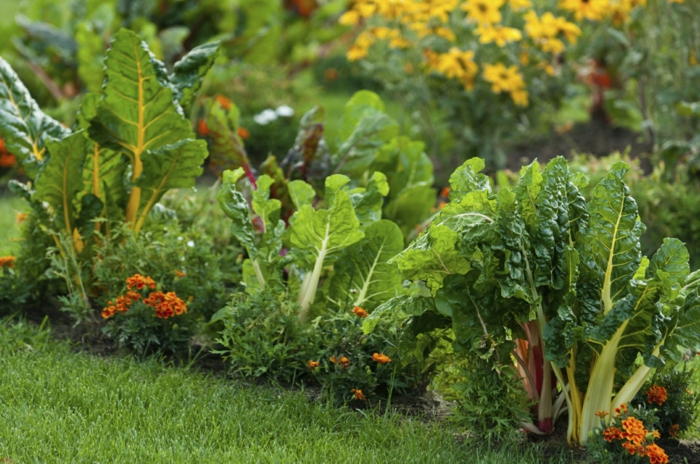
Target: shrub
(148, 320)
(668, 394)
(261, 336)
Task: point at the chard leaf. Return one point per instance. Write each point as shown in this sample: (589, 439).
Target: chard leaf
(25, 128)
(172, 166)
(368, 201)
(432, 257)
(466, 178)
(309, 158)
(609, 245)
(227, 150)
(235, 206)
(104, 170)
(301, 193)
(405, 164)
(267, 209)
(188, 73)
(407, 304)
(363, 276)
(61, 178)
(366, 128)
(137, 113)
(410, 207)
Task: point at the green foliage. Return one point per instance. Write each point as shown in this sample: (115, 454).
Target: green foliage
(680, 409)
(261, 337)
(537, 272)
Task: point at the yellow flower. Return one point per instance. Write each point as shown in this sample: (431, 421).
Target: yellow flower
(589, 9)
(520, 97)
(366, 9)
(676, 1)
(356, 53)
(21, 217)
(503, 79)
(520, 4)
(350, 18)
(456, 64)
(445, 33)
(483, 11)
(499, 34)
(399, 42)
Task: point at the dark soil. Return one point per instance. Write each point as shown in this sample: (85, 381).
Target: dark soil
(597, 137)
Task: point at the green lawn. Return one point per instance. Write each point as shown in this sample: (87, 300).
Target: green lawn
(59, 406)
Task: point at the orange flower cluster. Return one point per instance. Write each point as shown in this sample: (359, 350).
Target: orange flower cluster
(166, 304)
(358, 394)
(7, 261)
(21, 217)
(312, 364)
(7, 160)
(601, 414)
(657, 394)
(381, 358)
(359, 311)
(635, 437)
(343, 361)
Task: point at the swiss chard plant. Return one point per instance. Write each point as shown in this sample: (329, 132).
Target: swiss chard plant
(131, 144)
(552, 287)
(371, 144)
(338, 247)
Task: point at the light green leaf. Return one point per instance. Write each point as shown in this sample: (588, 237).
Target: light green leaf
(466, 178)
(301, 193)
(188, 73)
(235, 206)
(362, 276)
(90, 56)
(25, 128)
(368, 201)
(61, 179)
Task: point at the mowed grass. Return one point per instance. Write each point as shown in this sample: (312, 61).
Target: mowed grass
(60, 406)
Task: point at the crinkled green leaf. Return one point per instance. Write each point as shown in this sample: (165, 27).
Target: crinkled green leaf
(23, 126)
(432, 257)
(407, 304)
(235, 206)
(301, 193)
(172, 166)
(368, 201)
(61, 178)
(466, 178)
(363, 276)
(189, 71)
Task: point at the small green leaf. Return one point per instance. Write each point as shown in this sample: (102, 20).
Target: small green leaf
(188, 73)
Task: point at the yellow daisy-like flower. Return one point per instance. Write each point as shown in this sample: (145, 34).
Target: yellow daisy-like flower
(589, 9)
(350, 18)
(483, 11)
(499, 34)
(456, 64)
(520, 97)
(676, 1)
(503, 79)
(356, 53)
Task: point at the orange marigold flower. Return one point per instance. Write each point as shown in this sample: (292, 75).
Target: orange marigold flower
(445, 192)
(21, 217)
(656, 454)
(138, 281)
(108, 311)
(657, 394)
(180, 274)
(243, 133)
(312, 364)
(7, 160)
(166, 304)
(358, 394)
(634, 430)
(202, 128)
(622, 409)
(633, 448)
(344, 362)
(7, 261)
(601, 414)
(656, 434)
(224, 101)
(359, 311)
(673, 431)
(612, 433)
(333, 359)
(381, 358)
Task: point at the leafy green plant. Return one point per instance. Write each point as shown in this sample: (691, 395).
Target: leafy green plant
(132, 144)
(558, 283)
(668, 394)
(261, 335)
